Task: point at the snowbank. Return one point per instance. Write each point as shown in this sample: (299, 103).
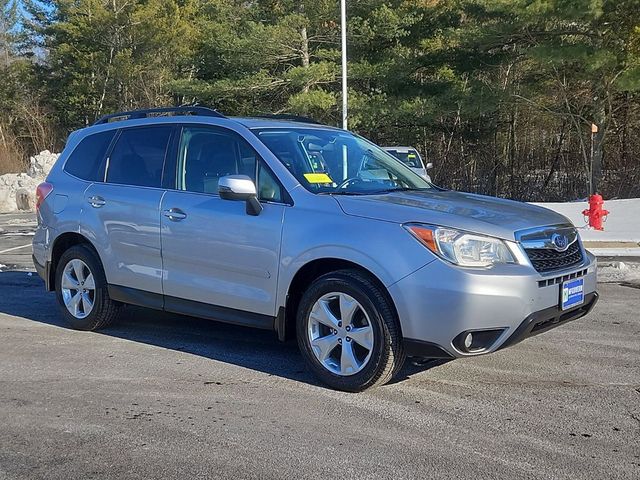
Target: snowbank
(41, 164)
(14, 185)
(617, 271)
(622, 224)
(18, 190)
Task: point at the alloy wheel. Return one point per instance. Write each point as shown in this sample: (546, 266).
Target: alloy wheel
(78, 288)
(340, 334)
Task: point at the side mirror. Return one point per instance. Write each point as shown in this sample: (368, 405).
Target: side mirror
(429, 166)
(240, 187)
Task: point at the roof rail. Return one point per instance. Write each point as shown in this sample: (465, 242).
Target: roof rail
(153, 112)
(287, 116)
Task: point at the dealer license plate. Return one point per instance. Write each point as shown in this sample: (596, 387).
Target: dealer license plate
(572, 293)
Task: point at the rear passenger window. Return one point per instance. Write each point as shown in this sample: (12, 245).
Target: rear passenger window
(138, 156)
(86, 159)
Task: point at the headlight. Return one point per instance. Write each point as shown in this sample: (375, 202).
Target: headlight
(462, 248)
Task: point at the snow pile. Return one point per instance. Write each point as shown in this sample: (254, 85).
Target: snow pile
(42, 163)
(616, 272)
(18, 190)
(14, 187)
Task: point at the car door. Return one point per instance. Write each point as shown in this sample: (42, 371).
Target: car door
(213, 252)
(122, 213)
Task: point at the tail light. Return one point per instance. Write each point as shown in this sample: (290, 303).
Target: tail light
(42, 192)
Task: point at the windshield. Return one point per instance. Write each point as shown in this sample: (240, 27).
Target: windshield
(334, 161)
(407, 156)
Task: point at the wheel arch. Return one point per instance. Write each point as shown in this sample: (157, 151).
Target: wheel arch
(61, 244)
(304, 276)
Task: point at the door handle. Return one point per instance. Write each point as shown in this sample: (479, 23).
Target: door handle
(96, 201)
(174, 214)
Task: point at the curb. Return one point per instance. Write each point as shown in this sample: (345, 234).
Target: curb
(626, 249)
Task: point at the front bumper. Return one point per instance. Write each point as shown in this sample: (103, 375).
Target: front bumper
(544, 320)
(439, 302)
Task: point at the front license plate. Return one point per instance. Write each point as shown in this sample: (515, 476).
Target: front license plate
(572, 293)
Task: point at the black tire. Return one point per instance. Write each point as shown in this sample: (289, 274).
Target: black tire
(104, 310)
(387, 354)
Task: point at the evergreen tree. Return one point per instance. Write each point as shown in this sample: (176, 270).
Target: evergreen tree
(500, 94)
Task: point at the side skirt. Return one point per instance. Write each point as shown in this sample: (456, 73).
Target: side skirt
(133, 296)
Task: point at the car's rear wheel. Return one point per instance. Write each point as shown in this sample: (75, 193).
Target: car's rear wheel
(81, 290)
(348, 332)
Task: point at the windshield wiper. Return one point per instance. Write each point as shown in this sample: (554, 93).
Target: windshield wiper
(375, 192)
(344, 193)
(401, 189)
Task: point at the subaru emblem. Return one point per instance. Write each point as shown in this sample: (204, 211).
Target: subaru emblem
(561, 242)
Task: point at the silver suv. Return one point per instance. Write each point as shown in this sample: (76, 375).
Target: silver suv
(412, 159)
(300, 228)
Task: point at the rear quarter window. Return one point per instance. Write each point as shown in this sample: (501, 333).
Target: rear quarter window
(86, 159)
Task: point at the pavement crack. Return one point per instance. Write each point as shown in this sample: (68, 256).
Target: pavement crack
(635, 416)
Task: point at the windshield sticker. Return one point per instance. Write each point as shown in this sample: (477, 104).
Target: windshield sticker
(318, 178)
(411, 155)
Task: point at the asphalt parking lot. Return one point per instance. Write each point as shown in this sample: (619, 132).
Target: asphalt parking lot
(160, 395)
(16, 233)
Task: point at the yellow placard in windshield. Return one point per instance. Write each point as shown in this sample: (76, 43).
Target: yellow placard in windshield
(411, 155)
(318, 178)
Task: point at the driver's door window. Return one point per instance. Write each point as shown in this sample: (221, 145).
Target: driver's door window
(207, 154)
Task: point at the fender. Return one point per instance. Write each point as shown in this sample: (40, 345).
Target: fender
(290, 267)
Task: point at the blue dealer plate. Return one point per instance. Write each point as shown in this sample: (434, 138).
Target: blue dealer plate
(572, 293)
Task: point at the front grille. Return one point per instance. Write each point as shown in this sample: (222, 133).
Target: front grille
(549, 259)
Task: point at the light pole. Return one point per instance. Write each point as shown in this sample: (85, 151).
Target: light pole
(343, 22)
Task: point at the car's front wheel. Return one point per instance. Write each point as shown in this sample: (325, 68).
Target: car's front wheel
(348, 332)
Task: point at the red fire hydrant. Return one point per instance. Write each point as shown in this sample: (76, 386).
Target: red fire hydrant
(595, 212)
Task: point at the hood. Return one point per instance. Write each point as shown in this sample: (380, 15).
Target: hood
(466, 211)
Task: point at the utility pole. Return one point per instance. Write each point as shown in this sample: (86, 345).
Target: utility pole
(343, 22)
(595, 167)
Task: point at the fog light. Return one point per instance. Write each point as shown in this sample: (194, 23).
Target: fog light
(477, 341)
